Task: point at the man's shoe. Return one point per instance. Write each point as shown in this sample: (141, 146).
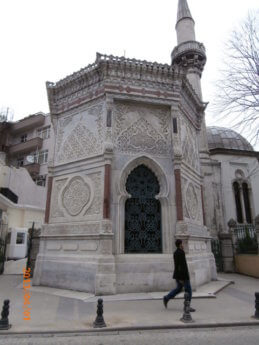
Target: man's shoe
(165, 301)
(192, 310)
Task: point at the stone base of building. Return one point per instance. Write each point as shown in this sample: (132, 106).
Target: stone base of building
(111, 274)
(93, 274)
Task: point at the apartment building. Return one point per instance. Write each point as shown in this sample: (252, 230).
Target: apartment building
(25, 148)
(29, 144)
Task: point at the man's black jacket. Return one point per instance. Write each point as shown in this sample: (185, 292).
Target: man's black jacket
(180, 265)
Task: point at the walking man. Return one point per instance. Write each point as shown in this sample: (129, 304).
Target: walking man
(181, 274)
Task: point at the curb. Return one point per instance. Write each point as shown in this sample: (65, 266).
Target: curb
(225, 286)
(136, 328)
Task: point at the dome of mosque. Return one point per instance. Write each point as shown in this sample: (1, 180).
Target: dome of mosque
(225, 138)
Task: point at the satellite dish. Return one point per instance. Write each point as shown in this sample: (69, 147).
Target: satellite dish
(30, 159)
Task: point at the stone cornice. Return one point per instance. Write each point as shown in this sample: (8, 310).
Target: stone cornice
(234, 152)
(110, 72)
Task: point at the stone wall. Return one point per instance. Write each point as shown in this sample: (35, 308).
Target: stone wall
(247, 264)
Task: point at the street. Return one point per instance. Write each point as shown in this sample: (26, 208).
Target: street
(201, 336)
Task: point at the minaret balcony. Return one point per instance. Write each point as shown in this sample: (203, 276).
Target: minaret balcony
(189, 54)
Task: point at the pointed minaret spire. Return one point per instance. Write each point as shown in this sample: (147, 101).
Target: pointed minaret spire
(183, 10)
(189, 53)
(185, 23)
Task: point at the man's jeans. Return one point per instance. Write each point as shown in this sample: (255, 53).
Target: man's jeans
(178, 289)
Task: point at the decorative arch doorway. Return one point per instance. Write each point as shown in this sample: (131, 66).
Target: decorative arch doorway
(143, 212)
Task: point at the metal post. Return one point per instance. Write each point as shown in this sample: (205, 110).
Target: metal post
(4, 322)
(187, 318)
(232, 224)
(256, 316)
(30, 233)
(257, 231)
(99, 321)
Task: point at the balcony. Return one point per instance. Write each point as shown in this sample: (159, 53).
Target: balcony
(26, 147)
(33, 169)
(28, 123)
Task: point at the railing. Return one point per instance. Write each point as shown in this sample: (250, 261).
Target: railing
(243, 230)
(216, 250)
(246, 239)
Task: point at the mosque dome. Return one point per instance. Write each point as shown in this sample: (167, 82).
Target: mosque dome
(225, 138)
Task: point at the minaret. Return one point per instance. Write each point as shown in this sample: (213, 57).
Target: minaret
(189, 53)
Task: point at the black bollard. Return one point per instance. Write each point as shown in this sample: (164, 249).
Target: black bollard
(99, 321)
(187, 318)
(256, 316)
(4, 322)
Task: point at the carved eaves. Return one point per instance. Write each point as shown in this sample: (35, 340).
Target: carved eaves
(116, 74)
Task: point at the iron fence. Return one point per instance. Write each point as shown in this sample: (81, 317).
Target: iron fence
(246, 239)
(216, 250)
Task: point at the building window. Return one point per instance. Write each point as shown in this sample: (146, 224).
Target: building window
(247, 203)
(41, 157)
(44, 133)
(40, 180)
(20, 162)
(20, 238)
(23, 138)
(238, 202)
(242, 199)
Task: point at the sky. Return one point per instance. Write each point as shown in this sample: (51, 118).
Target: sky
(46, 40)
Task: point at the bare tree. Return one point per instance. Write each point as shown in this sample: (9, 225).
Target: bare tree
(238, 89)
(6, 114)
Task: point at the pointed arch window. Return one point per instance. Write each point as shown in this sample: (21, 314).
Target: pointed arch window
(238, 202)
(247, 202)
(143, 213)
(242, 201)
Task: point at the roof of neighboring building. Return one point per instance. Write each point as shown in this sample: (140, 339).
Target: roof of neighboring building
(225, 138)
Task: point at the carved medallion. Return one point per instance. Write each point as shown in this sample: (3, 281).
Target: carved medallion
(76, 195)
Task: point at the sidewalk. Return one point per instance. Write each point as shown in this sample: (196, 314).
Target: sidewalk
(56, 310)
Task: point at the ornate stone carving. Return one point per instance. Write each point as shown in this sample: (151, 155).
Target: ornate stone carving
(184, 184)
(96, 206)
(107, 227)
(141, 128)
(80, 135)
(63, 229)
(62, 124)
(191, 201)
(79, 144)
(76, 195)
(141, 136)
(55, 207)
(190, 147)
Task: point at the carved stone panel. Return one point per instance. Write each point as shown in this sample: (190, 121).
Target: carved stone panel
(55, 210)
(184, 186)
(96, 206)
(141, 128)
(80, 135)
(191, 201)
(190, 149)
(192, 207)
(76, 195)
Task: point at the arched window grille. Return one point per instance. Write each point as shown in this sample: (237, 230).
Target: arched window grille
(143, 213)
